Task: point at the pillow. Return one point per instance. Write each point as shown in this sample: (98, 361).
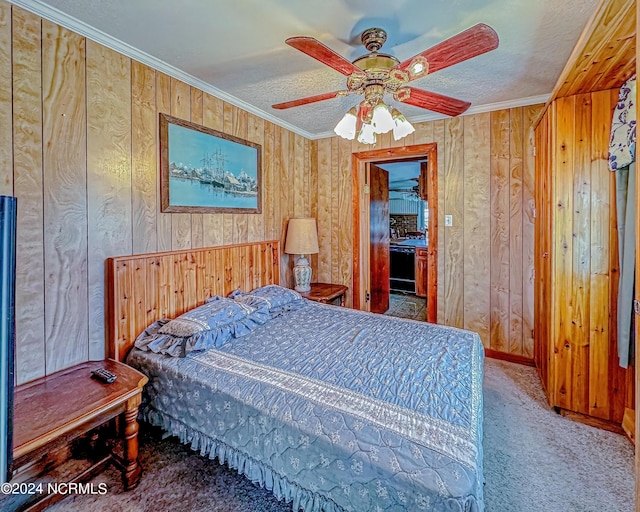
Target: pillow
(276, 299)
(201, 328)
(216, 311)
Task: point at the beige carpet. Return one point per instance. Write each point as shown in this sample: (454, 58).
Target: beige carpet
(535, 461)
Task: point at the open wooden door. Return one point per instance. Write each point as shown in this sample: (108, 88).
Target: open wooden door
(379, 241)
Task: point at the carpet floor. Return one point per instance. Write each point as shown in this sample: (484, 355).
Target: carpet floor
(534, 461)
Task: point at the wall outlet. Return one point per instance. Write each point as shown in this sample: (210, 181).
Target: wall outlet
(448, 220)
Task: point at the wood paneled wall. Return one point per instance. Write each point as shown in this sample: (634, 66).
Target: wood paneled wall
(578, 260)
(485, 259)
(79, 148)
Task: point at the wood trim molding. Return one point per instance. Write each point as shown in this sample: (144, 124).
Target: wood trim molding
(512, 358)
(590, 420)
(361, 221)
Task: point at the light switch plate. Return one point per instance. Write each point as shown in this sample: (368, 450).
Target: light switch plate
(448, 220)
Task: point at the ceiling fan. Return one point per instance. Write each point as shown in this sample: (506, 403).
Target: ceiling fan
(376, 74)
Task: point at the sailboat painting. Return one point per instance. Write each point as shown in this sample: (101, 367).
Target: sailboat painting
(207, 171)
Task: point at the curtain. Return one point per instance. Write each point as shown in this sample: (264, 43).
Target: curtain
(622, 162)
(625, 210)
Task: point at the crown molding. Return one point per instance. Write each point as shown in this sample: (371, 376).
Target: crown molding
(56, 16)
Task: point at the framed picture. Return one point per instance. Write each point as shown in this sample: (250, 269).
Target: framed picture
(206, 171)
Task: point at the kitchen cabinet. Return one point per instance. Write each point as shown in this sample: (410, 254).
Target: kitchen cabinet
(421, 271)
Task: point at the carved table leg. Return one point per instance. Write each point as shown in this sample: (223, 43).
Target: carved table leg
(132, 470)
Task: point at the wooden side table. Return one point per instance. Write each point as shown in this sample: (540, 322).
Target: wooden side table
(53, 410)
(326, 293)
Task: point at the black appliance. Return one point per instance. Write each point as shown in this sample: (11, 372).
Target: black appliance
(403, 268)
(8, 206)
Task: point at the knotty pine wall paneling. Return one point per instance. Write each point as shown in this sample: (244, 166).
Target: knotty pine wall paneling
(578, 268)
(80, 146)
(543, 255)
(603, 256)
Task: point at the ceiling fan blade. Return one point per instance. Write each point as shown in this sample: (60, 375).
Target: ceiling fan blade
(435, 102)
(470, 43)
(314, 48)
(305, 101)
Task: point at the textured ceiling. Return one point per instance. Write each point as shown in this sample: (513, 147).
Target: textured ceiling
(236, 50)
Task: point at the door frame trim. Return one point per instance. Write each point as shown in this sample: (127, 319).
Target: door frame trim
(361, 221)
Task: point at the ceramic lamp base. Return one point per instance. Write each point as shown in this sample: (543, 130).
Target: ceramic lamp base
(302, 274)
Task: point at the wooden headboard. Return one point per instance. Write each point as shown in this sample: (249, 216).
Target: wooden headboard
(146, 287)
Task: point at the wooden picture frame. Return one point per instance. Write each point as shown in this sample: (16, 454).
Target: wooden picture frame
(207, 171)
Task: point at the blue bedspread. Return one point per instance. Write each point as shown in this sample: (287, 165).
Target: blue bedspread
(335, 409)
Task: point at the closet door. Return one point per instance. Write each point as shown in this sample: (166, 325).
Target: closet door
(542, 260)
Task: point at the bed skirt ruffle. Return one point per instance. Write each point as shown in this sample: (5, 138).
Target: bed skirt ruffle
(256, 471)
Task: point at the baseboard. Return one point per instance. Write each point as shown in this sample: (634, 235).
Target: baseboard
(629, 424)
(591, 420)
(512, 358)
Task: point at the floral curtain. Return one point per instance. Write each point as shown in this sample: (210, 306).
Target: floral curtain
(622, 162)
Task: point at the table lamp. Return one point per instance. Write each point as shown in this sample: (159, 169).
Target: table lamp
(302, 238)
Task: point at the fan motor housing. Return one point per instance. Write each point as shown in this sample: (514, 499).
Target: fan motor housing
(376, 61)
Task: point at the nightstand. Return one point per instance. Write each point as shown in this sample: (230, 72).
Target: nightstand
(53, 410)
(326, 293)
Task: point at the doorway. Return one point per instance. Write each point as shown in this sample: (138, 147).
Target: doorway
(364, 271)
(408, 227)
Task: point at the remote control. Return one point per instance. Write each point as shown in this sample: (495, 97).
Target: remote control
(104, 375)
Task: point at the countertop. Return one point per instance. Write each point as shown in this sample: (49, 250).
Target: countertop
(408, 242)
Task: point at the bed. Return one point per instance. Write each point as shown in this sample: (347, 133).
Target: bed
(330, 408)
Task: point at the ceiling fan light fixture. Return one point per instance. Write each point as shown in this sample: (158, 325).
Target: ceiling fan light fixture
(346, 127)
(402, 127)
(382, 120)
(367, 134)
(419, 67)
